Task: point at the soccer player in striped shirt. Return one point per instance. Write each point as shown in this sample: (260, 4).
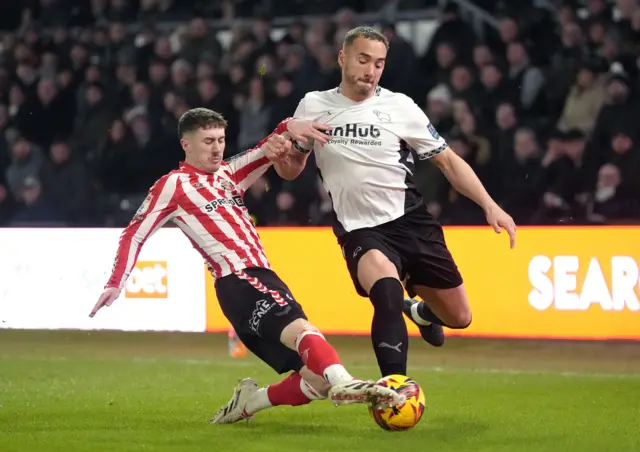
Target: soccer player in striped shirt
(381, 222)
(204, 198)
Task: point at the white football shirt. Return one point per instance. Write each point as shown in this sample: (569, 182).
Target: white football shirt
(367, 166)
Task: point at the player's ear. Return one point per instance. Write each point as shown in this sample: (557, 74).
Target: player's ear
(185, 144)
(341, 57)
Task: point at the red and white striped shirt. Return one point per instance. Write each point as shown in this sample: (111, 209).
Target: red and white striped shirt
(210, 211)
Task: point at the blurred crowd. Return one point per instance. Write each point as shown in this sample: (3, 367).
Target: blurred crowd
(543, 108)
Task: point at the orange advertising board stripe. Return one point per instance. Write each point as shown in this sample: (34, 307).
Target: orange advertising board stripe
(558, 283)
(148, 279)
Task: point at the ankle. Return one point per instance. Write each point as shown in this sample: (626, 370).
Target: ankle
(336, 374)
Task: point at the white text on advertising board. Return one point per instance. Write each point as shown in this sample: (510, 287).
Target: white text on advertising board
(556, 284)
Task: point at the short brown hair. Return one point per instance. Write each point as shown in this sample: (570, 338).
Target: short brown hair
(366, 33)
(200, 118)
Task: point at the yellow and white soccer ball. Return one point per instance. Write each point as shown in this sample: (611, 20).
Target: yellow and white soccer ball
(407, 415)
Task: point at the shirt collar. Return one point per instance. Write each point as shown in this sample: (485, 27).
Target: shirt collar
(192, 169)
(377, 90)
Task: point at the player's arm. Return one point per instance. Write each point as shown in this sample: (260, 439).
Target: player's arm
(245, 168)
(156, 210)
(290, 165)
(303, 134)
(463, 178)
(422, 136)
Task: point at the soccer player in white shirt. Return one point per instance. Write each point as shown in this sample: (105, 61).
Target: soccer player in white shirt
(385, 231)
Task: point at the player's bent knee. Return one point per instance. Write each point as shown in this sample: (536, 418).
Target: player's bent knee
(293, 333)
(460, 320)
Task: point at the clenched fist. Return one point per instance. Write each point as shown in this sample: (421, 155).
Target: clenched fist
(276, 147)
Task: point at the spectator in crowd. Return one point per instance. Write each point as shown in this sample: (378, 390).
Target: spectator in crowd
(439, 104)
(260, 202)
(254, 115)
(34, 208)
(7, 204)
(26, 162)
(65, 179)
(401, 61)
(116, 162)
(528, 78)
(522, 183)
(494, 89)
(453, 31)
(612, 200)
(544, 108)
(585, 99)
(624, 153)
(92, 126)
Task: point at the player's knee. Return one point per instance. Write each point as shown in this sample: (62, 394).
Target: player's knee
(387, 296)
(293, 333)
(460, 320)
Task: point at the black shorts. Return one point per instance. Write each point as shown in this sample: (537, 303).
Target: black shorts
(414, 243)
(259, 306)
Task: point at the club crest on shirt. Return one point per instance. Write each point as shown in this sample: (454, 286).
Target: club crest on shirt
(382, 116)
(226, 185)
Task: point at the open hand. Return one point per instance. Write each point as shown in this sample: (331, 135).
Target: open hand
(303, 131)
(498, 219)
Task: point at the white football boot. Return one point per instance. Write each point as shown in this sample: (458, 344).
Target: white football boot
(234, 410)
(359, 391)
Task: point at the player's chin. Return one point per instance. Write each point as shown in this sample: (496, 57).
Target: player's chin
(212, 167)
(364, 88)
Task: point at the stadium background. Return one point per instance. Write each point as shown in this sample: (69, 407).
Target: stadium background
(540, 97)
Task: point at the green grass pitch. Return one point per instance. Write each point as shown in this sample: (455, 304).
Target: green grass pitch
(109, 391)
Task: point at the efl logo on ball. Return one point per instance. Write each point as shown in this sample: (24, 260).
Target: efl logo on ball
(148, 280)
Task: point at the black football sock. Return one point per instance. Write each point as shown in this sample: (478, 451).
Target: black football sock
(388, 330)
(427, 314)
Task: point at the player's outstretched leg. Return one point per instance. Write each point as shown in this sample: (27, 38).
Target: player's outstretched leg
(323, 376)
(418, 312)
(248, 398)
(233, 411)
(322, 359)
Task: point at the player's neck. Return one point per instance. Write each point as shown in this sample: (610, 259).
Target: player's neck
(196, 165)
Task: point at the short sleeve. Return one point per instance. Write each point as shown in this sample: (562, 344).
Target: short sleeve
(420, 134)
(301, 113)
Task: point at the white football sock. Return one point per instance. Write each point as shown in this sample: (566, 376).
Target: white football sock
(336, 373)
(259, 401)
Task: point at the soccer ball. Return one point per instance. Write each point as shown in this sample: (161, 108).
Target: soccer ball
(405, 416)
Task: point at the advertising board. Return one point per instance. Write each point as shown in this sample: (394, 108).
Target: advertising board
(559, 282)
(51, 278)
